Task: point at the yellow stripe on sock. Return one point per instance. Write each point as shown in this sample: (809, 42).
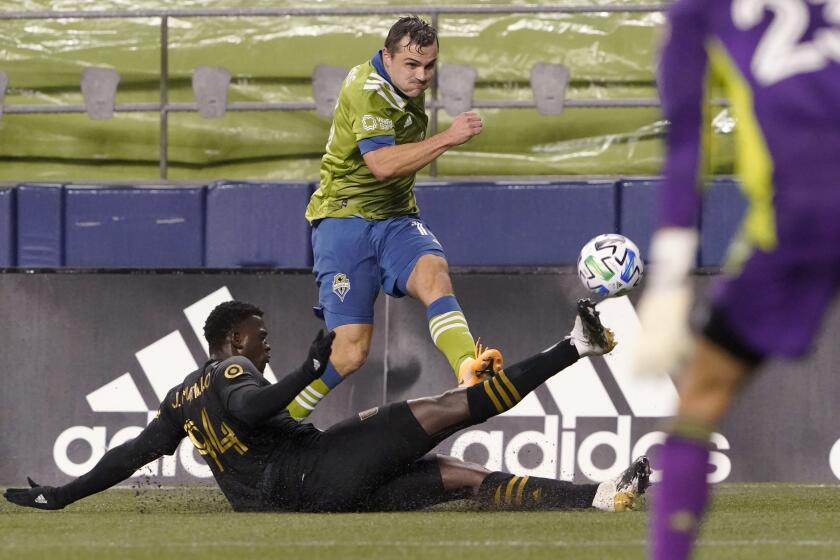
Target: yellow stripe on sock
(509, 489)
(502, 393)
(497, 498)
(509, 385)
(521, 491)
(493, 398)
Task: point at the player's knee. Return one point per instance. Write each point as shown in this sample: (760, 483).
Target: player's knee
(350, 348)
(457, 474)
(349, 357)
(430, 279)
(450, 400)
(439, 279)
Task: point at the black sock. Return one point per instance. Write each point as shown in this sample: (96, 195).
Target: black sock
(502, 490)
(510, 386)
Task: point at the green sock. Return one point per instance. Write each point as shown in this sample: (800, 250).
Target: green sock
(451, 335)
(308, 399)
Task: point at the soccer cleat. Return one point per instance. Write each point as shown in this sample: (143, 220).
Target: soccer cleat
(622, 492)
(589, 336)
(486, 362)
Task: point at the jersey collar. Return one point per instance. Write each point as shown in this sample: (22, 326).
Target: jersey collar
(379, 66)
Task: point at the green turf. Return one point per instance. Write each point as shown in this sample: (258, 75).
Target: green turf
(757, 521)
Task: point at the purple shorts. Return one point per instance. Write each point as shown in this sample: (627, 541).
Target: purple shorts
(776, 302)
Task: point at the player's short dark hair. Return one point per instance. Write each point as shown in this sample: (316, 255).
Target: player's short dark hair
(224, 317)
(419, 33)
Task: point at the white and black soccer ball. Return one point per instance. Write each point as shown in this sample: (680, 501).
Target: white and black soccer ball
(610, 265)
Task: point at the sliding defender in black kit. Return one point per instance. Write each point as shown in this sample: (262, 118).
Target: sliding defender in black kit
(264, 460)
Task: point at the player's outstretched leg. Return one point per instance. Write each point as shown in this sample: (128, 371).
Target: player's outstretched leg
(442, 415)
(437, 479)
(589, 337)
(506, 491)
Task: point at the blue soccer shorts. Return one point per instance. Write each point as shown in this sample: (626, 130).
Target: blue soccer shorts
(355, 257)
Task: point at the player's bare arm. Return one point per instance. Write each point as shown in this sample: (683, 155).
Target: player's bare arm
(406, 159)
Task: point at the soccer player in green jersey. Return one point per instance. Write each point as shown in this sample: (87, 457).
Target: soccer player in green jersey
(366, 231)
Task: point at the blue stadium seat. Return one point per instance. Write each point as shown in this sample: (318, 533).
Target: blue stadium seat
(723, 208)
(134, 227)
(7, 227)
(40, 219)
(638, 219)
(515, 224)
(258, 225)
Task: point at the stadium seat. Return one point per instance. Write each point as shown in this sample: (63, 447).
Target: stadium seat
(134, 227)
(99, 89)
(548, 83)
(40, 218)
(456, 83)
(4, 81)
(210, 88)
(515, 224)
(7, 227)
(723, 207)
(326, 85)
(258, 225)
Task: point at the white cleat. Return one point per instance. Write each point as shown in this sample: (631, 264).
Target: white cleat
(621, 492)
(589, 336)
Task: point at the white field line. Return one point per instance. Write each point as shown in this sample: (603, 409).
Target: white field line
(447, 544)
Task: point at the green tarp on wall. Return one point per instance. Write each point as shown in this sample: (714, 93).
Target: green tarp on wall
(610, 55)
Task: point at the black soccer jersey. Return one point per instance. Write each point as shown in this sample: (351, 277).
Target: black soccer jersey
(237, 453)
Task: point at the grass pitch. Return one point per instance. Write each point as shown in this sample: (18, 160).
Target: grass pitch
(748, 521)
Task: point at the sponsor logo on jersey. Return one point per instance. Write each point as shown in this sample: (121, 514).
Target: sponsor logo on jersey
(341, 285)
(371, 122)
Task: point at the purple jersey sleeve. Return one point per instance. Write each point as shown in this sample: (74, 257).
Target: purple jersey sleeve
(682, 80)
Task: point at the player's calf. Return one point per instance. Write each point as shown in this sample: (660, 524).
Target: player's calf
(507, 387)
(501, 490)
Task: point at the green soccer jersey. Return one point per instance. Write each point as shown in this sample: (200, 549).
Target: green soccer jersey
(368, 106)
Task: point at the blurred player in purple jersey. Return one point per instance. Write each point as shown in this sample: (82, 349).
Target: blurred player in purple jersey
(778, 62)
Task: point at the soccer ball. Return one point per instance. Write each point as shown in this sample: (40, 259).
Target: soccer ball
(610, 265)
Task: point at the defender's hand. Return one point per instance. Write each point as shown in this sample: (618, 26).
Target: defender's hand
(319, 353)
(666, 340)
(465, 126)
(41, 497)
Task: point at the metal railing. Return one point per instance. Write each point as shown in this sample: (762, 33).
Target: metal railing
(164, 107)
